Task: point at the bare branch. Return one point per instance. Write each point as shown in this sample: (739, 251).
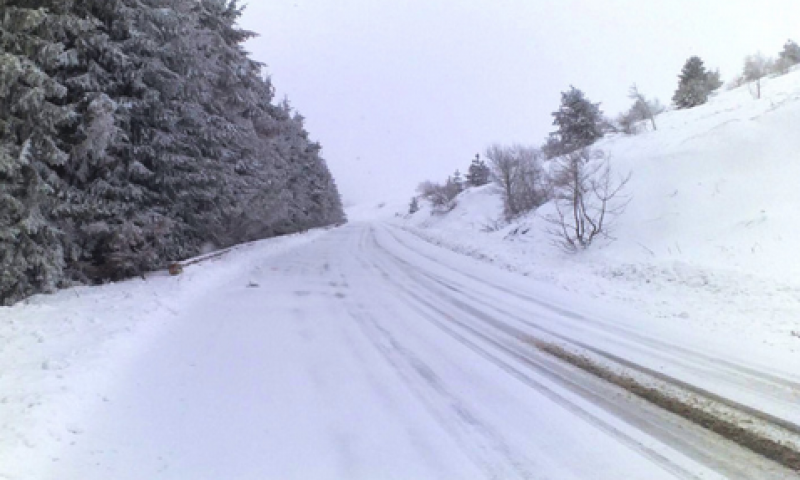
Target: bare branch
(584, 184)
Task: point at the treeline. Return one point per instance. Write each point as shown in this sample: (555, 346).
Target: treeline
(133, 132)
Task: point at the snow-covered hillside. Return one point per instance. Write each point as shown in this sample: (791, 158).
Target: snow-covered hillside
(709, 237)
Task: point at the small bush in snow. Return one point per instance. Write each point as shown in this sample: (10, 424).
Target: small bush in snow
(441, 196)
(413, 207)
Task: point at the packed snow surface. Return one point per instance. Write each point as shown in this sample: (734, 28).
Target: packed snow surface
(359, 353)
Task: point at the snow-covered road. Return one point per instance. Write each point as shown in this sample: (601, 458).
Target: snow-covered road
(370, 354)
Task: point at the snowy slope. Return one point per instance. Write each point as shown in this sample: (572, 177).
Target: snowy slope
(709, 237)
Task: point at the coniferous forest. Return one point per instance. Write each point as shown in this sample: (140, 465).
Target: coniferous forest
(132, 133)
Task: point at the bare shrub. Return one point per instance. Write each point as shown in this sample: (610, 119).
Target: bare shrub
(518, 171)
(644, 108)
(587, 198)
(757, 67)
(630, 122)
(736, 82)
(492, 226)
(413, 207)
(441, 196)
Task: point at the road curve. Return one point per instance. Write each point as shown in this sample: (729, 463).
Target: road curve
(369, 354)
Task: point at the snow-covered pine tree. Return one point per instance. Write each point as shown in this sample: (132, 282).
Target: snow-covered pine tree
(694, 85)
(170, 124)
(579, 122)
(276, 182)
(458, 181)
(94, 70)
(240, 106)
(133, 130)
(173, 182)
(260, 198)
(787, 58)
(225, 82)
(790, 52)
(478, 173)
(112, 231)
(32, 109)
(307, 177)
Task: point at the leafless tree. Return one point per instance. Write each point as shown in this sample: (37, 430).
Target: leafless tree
(628, 123)
(441, 196)
(757, 67)
(736, 82)
(518, 171)
(587, 198)
(642, 109)
(646, 109)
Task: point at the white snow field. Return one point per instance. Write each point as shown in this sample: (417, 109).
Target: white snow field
(368, 352)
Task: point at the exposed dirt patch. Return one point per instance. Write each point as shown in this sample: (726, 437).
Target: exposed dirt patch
(774, 450)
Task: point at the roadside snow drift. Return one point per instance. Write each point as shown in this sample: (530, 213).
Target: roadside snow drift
(60, 353)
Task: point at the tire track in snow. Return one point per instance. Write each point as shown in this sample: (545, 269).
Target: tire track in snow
(763, 383)
(444, 290)
(481, 443)
(432, 314)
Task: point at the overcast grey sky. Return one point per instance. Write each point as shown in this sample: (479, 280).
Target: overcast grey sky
(407, 90)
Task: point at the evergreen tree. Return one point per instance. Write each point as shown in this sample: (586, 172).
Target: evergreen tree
(32, 109)
(791, 52)
(478, 173)
(579, 122)
(99, 77)
(132, 131)
(787, 58)
(695, 84)
(458, 181)
(233, 97)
